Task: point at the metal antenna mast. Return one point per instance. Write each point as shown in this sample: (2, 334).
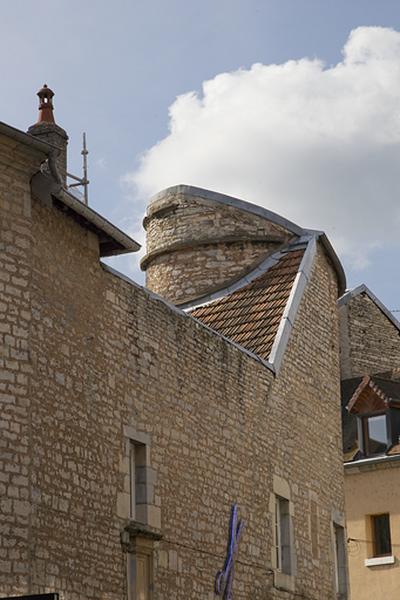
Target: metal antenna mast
(83, 181)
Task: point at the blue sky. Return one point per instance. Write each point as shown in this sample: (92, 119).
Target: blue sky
(116, 68)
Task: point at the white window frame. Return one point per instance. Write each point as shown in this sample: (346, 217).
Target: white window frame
(340, 555)
(283, 556)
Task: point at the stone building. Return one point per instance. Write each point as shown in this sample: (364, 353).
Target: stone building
(370, 360)
(132, 419)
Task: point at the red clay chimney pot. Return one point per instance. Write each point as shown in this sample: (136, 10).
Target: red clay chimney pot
(45, 105)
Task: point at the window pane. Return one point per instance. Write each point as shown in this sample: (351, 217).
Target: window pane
(381, 532)
(283, 540)
(377, 436)
(340, 561)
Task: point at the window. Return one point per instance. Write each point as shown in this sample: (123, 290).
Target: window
(340, 561)
(375, 437)
(282, 535)
(380, 528)
(314, 528)
(137, 478)
(283, 555)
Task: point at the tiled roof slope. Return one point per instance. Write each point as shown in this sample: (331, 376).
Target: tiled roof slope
(250, 316)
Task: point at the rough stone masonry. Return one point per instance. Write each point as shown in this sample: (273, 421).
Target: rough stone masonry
(94, 365)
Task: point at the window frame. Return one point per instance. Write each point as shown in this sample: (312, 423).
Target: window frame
(283, 537)
(364, 432)
(283, 551)
(373, 522)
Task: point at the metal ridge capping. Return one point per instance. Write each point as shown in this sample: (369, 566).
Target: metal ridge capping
(296, 293)
(292, 305)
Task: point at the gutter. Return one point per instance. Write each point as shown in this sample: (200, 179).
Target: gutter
(365, 462)
(90, 215)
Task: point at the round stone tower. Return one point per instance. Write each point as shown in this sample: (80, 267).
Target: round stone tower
(200, 241)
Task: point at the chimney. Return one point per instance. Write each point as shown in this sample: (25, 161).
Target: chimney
(46, 129)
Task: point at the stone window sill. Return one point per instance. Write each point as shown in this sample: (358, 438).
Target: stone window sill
(283, 581)
(379, 560)
(136, 529)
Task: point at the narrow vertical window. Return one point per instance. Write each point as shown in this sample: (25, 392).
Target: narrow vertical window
(314, 525)
(282, 536)
(132, 479)
(382, 545)
(340, 561)
(139, 488)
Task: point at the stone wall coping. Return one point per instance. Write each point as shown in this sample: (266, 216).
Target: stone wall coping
(363, 289)
(156, 298)
(228, 201)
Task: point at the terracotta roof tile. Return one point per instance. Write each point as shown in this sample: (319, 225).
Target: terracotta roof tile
(251, 315)
(394, 450)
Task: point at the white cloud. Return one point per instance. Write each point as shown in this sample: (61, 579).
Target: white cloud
(319, 145)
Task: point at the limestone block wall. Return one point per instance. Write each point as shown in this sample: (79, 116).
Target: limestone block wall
(104, 357)
(17, 164)
(196, 245)
(370, 343)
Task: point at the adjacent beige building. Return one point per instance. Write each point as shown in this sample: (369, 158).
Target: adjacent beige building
(370, 353)
(132, 421)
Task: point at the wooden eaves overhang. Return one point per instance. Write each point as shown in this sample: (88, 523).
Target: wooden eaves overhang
(48, 188)
(370, 398)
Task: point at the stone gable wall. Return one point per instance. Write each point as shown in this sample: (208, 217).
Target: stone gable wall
(104, 356)
(16, 166)
(370, 343)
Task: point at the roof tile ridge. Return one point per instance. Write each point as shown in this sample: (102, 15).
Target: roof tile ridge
(261, 269)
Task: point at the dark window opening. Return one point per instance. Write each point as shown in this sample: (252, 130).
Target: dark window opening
(382, 545)
(282, 535)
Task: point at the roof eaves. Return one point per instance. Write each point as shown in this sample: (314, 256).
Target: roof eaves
(365, 462)
(115, 241)
(26, 139)
(363, 289)
(363, 383)
(125, 242)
